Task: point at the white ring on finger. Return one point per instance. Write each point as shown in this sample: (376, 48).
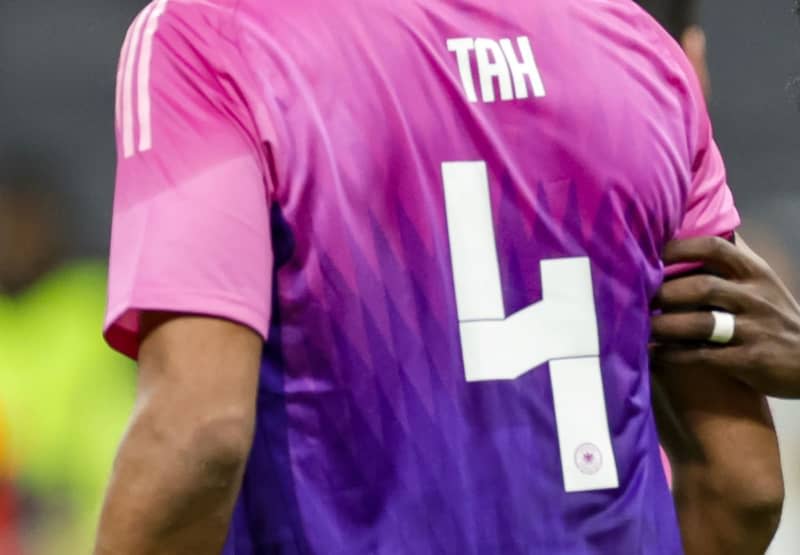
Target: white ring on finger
(724, 327)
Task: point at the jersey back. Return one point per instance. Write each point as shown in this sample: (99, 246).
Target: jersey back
(446, 219)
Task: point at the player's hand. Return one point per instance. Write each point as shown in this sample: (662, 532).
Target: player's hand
(765, 349)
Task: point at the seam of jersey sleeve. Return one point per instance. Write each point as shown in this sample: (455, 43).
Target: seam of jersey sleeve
(222, 26)
(271, 132)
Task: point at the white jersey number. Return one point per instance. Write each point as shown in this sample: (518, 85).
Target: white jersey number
(560, 329)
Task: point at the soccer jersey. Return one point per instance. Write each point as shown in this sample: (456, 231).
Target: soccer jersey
(446, 220)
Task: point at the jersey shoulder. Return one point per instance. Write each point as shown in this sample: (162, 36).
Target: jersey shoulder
(650, 46)
(198, 19)
(632, 20)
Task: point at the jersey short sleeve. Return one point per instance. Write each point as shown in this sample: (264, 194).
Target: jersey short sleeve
(710, 209)
(190, 229)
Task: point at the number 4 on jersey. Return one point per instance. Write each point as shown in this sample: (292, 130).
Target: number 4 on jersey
(560, 329)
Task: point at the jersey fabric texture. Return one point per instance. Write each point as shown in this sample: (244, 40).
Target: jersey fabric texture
(283, 165)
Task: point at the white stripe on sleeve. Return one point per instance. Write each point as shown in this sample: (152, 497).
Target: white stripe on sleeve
(127, 89)
(143, 84)
(120, 72)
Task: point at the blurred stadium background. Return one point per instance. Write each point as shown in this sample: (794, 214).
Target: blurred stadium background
(64, 397)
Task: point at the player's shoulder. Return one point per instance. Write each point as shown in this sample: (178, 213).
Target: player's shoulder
(630, 27)
(623, 13)
(186, 18)
(631, 19)
(199, 33)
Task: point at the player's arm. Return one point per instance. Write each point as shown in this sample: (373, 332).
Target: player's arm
(763, 356)
(718, 433)
(180, 464)
(719, 436)
(190, 236)
(765, 350)
(717, 430)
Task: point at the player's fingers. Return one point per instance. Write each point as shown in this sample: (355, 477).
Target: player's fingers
(716, 254)
(682, 326)
(726, 358)
(700, 290)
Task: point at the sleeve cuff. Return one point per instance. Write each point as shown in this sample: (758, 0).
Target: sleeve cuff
(121, 330)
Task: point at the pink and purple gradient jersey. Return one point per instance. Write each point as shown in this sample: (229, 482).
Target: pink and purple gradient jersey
(445, 219)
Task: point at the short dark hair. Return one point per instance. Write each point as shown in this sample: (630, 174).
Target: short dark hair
(675, 15)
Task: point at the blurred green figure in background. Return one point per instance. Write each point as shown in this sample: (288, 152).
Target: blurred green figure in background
(65, 394)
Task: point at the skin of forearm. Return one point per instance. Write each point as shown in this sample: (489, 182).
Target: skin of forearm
(175, 481)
